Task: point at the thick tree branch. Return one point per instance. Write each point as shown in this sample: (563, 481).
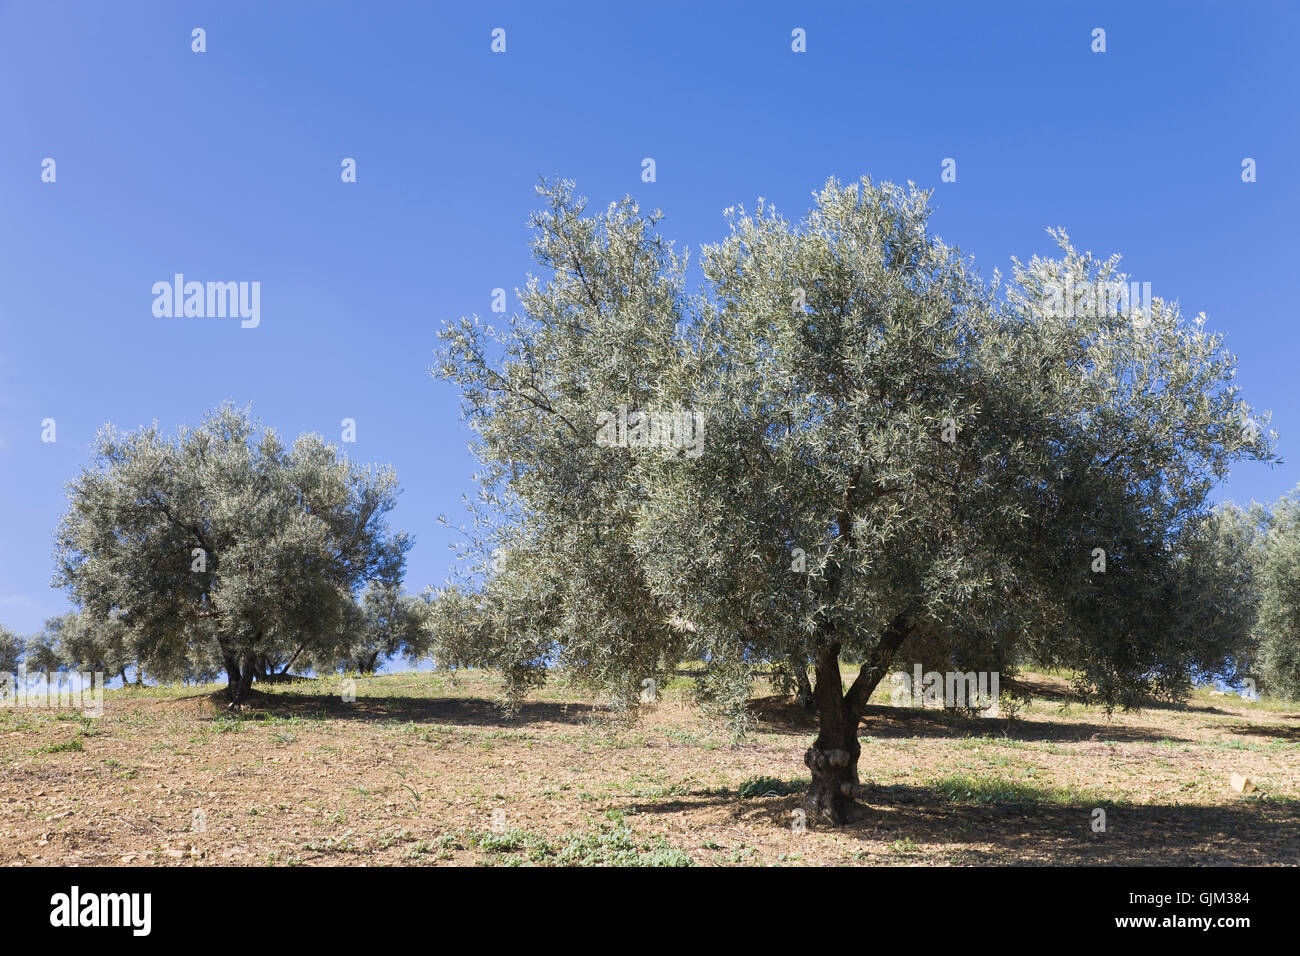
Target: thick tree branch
(873, 671)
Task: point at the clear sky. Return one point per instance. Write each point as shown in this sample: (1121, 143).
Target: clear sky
(225, 166)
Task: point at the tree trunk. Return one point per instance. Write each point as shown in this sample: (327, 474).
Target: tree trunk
(240, 692)
(285, 672)
(833, 757)
(233, 675)
(803, 696)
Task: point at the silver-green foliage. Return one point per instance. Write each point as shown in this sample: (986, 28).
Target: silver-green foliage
(224, 545)
(11, 650)
(386, 623)
(1279, 607)
(949, 455)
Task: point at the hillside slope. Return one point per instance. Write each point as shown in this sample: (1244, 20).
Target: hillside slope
(421, 770)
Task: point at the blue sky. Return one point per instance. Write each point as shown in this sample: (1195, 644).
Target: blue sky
(225, 166)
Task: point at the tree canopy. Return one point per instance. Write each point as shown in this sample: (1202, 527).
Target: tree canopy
(11, 650)
(387, 623)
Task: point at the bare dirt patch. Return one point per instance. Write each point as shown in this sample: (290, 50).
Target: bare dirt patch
(424, 770)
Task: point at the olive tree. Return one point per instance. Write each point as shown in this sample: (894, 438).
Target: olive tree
(11, 651)
(1215, 591)
(1278, 630)
(224, 544)
(76, 641)
(845, 446)
(386, 623)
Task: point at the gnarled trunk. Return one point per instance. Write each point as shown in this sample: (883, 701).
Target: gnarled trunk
(833, 757)
(241, 670)
(239, 688)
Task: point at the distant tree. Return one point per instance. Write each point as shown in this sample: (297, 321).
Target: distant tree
(11, 651)
(791, 676)
(222, 543)
(1279, 602)
(847, 447)
(1213, 597)
(41, 653)
(76, 641)
(387, 623)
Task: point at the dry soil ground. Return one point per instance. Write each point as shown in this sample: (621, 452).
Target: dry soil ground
(424, 770)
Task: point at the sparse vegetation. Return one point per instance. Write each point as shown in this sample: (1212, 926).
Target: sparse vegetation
(303, 779)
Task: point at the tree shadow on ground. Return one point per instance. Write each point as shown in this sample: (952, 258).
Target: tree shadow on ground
(1183, 707)
(1042, 688)
(1277, 731)
(1247, 832)
(457, 711)
(895, 722)
(779, 715)
(913, 819)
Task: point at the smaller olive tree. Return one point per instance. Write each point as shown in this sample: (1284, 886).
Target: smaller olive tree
(224, 544)
(1213, 596)
(384, 623)
(77, 641)
(1278, 628)
(11, 650)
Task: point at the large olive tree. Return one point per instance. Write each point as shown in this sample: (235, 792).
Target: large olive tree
(222, 543)
(845, 445)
